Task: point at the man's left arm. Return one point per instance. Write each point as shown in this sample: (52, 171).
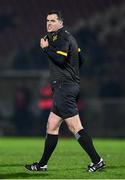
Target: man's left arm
(81, 57)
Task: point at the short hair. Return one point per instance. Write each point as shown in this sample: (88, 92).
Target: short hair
(58, 13)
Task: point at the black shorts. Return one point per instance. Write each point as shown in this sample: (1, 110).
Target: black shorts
(65, 97)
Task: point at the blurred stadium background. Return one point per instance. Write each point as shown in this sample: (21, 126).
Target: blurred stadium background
(25, 96)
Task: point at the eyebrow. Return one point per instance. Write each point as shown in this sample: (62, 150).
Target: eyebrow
(50, 20)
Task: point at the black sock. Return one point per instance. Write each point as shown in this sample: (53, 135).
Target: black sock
(86, 142)
(50, 144)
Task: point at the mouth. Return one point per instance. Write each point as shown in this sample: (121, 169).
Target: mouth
(49, 27)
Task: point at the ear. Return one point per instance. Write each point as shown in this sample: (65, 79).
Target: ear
(61, 22)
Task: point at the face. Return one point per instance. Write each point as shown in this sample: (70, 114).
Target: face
(53, 23)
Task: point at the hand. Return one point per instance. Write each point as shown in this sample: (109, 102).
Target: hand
(44, 43)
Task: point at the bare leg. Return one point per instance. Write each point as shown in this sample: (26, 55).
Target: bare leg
(53, 124)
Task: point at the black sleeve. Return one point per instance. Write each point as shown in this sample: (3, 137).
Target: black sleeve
(81, 58)
(59, 52)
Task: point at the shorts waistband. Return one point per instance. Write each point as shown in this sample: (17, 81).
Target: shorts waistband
(58, 82)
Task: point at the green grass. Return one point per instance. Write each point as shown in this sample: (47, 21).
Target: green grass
(69, 161)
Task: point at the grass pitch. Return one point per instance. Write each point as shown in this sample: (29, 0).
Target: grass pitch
(69, 161)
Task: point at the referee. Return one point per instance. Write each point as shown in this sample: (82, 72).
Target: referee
(64, 63)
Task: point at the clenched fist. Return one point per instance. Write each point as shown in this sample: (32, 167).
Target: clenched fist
(44, 43)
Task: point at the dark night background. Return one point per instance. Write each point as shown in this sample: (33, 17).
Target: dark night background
(25, 97)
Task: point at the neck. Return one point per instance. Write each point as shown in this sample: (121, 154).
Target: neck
(53, 32)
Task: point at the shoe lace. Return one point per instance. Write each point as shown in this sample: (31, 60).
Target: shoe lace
(34, 166)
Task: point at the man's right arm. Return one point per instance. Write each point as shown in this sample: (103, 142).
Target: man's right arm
(59, 54)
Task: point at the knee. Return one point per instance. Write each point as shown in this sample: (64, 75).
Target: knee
(71, 128)
(74, 129)
(52, 129)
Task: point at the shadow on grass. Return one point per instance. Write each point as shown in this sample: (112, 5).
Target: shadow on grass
(115, 167)
(23, 175)
(11, 165)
